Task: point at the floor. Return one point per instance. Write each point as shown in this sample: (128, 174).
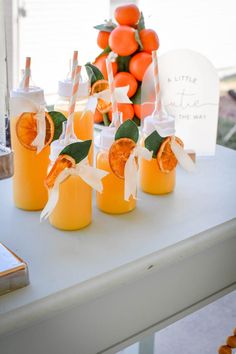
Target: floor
(200, 333)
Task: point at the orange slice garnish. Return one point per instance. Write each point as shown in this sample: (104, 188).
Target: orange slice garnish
(62, 162)
(102, 105)
(118, 155)
(166, 159)
(26, 129)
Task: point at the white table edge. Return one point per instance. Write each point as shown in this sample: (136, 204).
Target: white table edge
(48, 307)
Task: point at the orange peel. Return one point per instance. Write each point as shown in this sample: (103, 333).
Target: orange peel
(62, 162)
(26, 129)
(118, 155)
(166, 159)
(102, 105)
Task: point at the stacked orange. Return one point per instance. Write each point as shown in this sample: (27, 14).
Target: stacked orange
(134, 44)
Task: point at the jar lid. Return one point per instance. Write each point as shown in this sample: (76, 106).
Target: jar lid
(164, 126)
(65, 88)
(34, 93)
(57, 146)
(107, 137)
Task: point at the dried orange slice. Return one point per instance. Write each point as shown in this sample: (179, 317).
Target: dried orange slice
(118, 155)
(166, 159)
(62, 162)
(26, 129)
(101, 85)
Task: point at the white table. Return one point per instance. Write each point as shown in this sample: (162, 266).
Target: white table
(123, 277)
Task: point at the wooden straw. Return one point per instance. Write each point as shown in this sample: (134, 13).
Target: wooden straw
(27, 73)
(158, 107)
(115, 117)
(70, 119)
(74, 64)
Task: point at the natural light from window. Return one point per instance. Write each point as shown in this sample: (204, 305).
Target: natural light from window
(52, 29)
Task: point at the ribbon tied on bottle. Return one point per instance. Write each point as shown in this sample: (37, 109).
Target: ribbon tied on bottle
(120, 94)
(39, 141)
(16, 104)
(182, 157)
(90, 175)
(131, 170)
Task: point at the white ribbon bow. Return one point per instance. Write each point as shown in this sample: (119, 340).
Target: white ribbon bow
(131, 170)
(183, 158)
(16, 104)
(120, 94)
(91, 175)
(39, 141)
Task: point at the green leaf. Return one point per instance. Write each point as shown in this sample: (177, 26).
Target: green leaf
(106, 119)
(137, 37)
(136, 120)
(77, 150)
(141, 23)
(136, 99)
(105, 51)
(127, 130)
(153, 142)
(94, 73)
(58, 119)
(106, 27)
(123, 63)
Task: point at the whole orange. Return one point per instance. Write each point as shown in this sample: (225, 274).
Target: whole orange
(144, 110)
(100, 63)
(124, 79)
(126, 109)
(149, 39)
(139, 64)
(102, 39)
(122, 40)
(98, 117)
(127, 14)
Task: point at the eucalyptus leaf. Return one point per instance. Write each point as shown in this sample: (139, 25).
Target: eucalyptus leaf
(153, 142)
(105, 27)
(123, 63)
(138, 39)
(106, 119)
(141, 23)
(136, 120)
(77, 150)
(105, 51)
(58, 119)
(94, 73)
(127, 130)
(136, 99)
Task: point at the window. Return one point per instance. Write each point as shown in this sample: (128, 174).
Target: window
(49, 31)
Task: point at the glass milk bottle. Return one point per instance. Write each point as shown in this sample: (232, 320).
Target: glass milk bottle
(111, 200)
(152, 179)
(83, 119)
(30, 167)
(73, 210)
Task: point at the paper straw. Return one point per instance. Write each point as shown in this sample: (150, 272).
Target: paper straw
(158, 108)
(74, 64)
(70, 119)
(27, 73)
(115, 117)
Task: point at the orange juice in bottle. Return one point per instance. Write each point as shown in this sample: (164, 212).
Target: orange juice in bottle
(111, 200)
(30, 167)
(73, 210)
(155, 177)
(70, 181)
(84, 112)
